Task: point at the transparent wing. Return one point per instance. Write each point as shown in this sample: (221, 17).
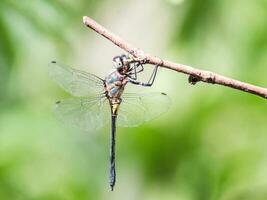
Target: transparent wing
(136, 109)
(85, 113)
(76, 82)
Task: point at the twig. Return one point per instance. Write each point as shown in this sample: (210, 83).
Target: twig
(195, 75)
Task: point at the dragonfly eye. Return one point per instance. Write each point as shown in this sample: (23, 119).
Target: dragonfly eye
(124, 58)
(117, 62)
(117, 65)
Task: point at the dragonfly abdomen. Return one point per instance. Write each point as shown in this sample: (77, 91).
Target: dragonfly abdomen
(112, 175)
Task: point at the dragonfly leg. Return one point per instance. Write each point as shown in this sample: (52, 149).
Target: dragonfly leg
(150, 81)
(141, 69)
(135, 70)
(133, 73)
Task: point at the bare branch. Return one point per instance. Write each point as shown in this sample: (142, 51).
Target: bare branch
(195, 75)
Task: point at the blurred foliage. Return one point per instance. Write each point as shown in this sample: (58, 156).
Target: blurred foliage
(199, 17)
(211, 145)
(47, 18)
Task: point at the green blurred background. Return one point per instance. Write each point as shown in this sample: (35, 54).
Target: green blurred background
(210, 145)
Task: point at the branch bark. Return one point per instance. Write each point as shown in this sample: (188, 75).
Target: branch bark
(195, 75)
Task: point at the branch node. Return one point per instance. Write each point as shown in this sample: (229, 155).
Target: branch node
(192, 79)
(211, 80)
(138, 56)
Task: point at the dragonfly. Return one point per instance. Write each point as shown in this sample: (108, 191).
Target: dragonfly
(98, 101)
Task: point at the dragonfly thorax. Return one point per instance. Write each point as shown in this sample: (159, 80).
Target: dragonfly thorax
(115, 83)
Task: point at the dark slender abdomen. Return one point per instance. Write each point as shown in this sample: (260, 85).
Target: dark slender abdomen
(112, 175)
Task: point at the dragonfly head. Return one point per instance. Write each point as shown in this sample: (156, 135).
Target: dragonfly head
(121, 63)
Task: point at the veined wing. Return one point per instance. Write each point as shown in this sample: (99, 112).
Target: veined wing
(136, 109)
(76, 82)
(85, 113)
